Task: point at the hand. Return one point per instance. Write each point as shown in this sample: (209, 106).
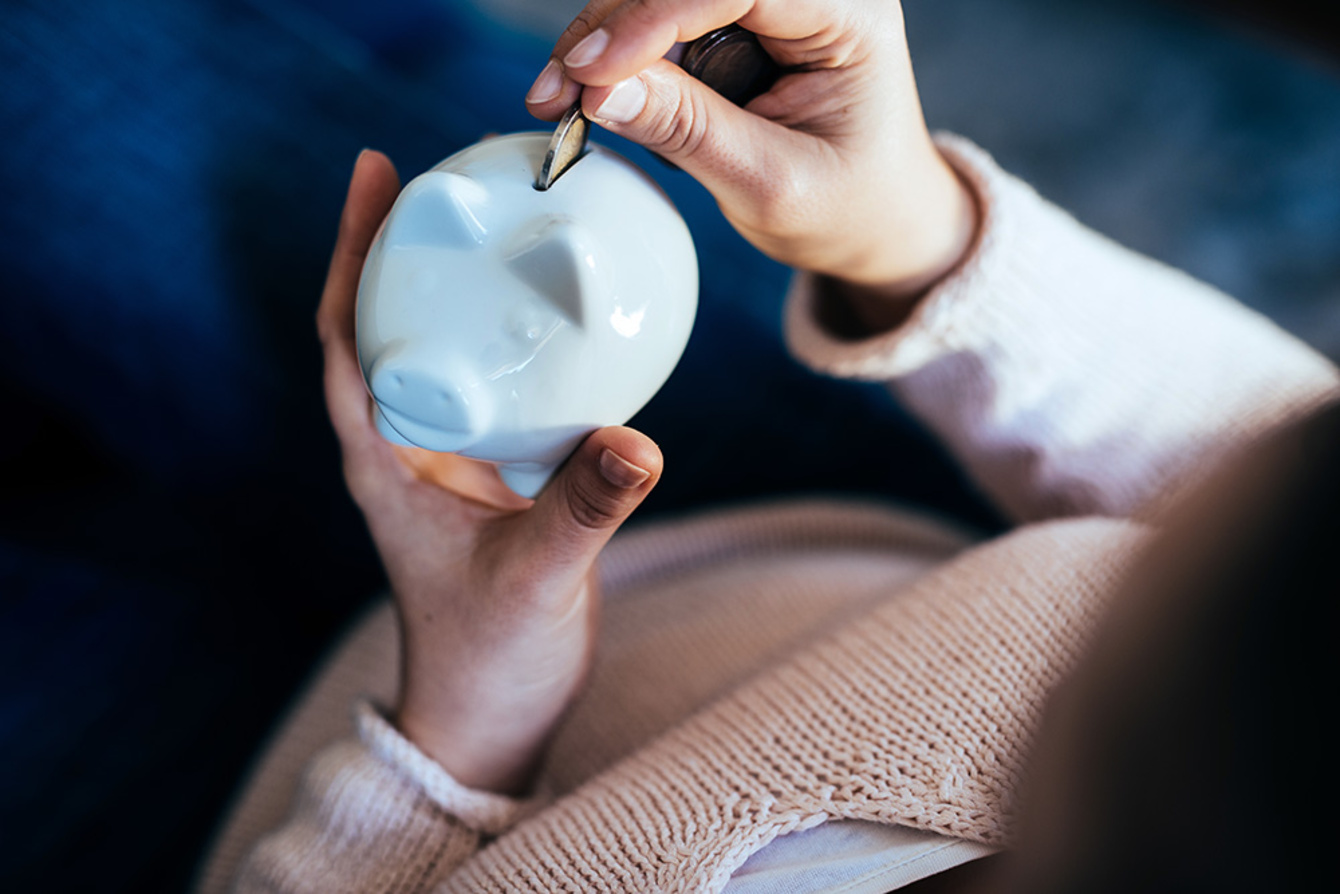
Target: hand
(495, 593)
(832, 170)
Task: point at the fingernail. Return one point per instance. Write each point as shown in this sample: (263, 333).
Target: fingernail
(624, 103)
(620, 472)
(547, 85)
(588, 50)
(358, 162)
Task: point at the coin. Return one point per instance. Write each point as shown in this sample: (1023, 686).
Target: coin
(732, 62)
(566, 146)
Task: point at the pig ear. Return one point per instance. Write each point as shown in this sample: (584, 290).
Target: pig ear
(562, 261)
(438, 208)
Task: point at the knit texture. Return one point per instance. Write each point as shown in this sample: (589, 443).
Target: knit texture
(919, 714)
(360, 824)
(1070, 376)
(728, 594)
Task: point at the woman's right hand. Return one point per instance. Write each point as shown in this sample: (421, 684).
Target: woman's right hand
(832, 170)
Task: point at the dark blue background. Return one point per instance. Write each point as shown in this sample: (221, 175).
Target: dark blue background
(176, 546)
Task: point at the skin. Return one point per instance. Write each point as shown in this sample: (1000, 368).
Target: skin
(831, 171)
(494, 592)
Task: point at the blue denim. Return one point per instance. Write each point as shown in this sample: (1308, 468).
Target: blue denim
(176, 545)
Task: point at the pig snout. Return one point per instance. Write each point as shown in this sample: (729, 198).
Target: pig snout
(429, 405)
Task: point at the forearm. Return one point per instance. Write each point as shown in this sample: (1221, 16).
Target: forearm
(1068, 374)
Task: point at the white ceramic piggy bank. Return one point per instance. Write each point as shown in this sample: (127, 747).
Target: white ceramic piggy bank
(505, 323)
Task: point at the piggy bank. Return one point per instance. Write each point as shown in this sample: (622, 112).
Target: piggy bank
(505, 323)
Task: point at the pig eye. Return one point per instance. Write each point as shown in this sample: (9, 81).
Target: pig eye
(528, 330)
(527, 327)
(530, 324)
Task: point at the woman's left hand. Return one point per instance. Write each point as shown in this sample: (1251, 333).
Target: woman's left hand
(496, 593)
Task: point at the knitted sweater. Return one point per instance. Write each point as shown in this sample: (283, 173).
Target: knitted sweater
(767, 670)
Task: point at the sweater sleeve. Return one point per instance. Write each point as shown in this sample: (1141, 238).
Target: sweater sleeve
(375, 814)
(1070, 375)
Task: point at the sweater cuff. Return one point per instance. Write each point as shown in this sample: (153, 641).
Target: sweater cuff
(484, 812)
(944, 318)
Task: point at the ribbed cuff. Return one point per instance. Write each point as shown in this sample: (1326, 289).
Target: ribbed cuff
(938, 322)
(484, 812)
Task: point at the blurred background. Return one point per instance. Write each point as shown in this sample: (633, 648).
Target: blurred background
(176, 545)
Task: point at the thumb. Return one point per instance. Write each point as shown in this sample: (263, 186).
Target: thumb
(594, 492)
(739, 156)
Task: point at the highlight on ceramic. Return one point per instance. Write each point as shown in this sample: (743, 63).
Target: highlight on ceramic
(505, 323)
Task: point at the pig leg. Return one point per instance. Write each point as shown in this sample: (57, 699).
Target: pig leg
(526, 479)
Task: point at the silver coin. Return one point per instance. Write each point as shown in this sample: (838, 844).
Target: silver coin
(566, 146)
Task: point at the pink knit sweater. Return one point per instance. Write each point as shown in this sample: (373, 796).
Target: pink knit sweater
(767, 670)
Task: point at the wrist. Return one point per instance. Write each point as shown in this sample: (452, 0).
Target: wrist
(484, 706)
(882, 289)
(487, 733)
(477, 753)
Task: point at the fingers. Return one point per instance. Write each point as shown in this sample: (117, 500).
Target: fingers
(638, 32)
(755, 163)
(742, 158)
(594, 492)
(611, 40)
(635, 33)
(372, 190)
(553, 91)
